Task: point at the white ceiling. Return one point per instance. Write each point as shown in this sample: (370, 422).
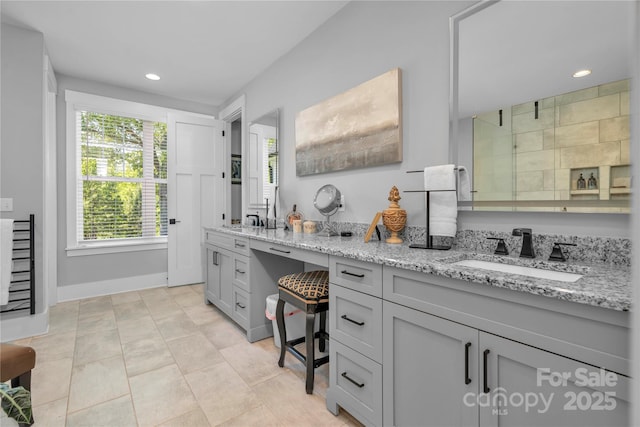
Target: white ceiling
(520, 51)
(204, 51)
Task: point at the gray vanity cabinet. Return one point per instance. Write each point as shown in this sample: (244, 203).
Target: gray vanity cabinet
(429, 365)
(218, 279)
(441, 373)
(525, 384)
(456, 355)
(236, 283)
(411, 348)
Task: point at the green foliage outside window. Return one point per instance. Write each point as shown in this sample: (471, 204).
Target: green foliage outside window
(113, 176)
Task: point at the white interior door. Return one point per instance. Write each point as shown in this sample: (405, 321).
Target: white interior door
(195, 147)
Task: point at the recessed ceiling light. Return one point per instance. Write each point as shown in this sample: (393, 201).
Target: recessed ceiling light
(581, 73)
(152, 76)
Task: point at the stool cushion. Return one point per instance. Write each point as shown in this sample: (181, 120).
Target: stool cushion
(15, 360)
(311, 286)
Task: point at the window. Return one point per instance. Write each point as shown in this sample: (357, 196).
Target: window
(269, 167)
(124, 177)
(117, 175)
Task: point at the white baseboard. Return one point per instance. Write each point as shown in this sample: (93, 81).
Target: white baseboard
(24, 326)
(109, 287)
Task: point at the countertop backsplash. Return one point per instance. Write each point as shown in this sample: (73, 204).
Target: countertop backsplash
(589, 249)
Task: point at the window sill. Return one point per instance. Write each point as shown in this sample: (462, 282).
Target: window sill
(95, 248)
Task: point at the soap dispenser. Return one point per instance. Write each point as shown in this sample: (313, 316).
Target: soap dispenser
(582, 184)
(592, 183)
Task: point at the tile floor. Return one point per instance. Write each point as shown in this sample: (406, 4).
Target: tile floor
(161, 357)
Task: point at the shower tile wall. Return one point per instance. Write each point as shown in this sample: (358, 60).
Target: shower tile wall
(583, 131)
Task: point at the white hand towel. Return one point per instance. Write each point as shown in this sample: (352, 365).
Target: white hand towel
(443, 205)
(6, 253)
(272, 202)
(464, 186)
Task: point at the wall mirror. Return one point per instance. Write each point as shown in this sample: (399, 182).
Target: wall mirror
(263, 166)
(533, 137)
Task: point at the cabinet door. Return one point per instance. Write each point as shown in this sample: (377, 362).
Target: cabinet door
(526, 387)
(219, 278)
(225, 260)
(430, 364)
(212, 289)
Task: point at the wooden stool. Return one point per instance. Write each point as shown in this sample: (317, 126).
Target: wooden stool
(308, 291)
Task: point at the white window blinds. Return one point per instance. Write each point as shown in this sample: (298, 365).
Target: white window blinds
(269, 167)
(121, 177)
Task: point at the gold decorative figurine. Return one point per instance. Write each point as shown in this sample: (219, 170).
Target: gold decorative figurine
(394, 218)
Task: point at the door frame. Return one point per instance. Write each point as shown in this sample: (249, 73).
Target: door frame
(232, 112)
(50, 185)
(175, 117)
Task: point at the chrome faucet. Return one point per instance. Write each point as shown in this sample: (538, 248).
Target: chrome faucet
(527, 242)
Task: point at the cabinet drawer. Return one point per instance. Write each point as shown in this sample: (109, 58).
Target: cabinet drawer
(303, 255)
(356, 321)
(241, 272)
(240, 308)
(357, 275)
(241, 245)
(233, 243)
(356, 383)
(210, 236)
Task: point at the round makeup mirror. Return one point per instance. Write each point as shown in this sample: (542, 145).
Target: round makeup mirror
(327, 201)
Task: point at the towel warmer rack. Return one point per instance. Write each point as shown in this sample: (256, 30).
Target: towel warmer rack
(22, 291)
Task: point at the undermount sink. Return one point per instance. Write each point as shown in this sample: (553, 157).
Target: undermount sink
(518, 269)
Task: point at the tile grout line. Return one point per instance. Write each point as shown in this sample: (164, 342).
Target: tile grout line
(133, 406)
(176, 363)
(164, 340)
(73, 357)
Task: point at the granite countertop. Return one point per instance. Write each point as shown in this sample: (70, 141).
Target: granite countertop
(602, 285)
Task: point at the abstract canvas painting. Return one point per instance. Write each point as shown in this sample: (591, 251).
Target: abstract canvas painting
(359, 128)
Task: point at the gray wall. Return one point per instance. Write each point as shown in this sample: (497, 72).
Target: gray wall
(364, 40)
(21, 147)
(95, 268)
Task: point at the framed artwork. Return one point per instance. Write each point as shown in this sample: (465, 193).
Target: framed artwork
(372, 227)
(359, 128)
(236, 169)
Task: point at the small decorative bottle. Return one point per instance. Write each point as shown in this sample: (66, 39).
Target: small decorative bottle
(582, 184)
(592, 184)
(294, 215)
(394, 218)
